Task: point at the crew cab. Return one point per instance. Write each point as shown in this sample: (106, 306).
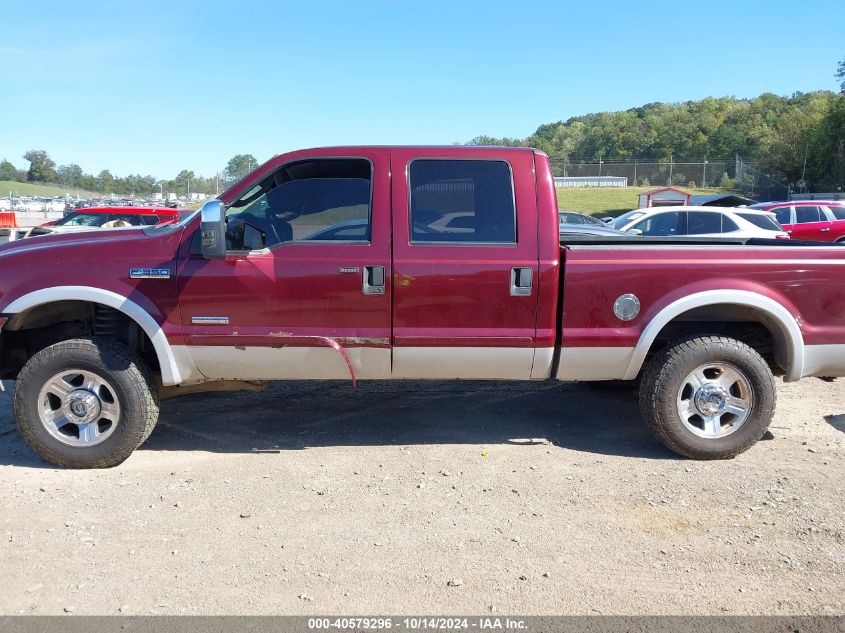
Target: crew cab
(394, 263)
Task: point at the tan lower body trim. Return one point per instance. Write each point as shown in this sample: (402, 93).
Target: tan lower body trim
(594, 363)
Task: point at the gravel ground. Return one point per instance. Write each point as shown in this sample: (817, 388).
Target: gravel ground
(434, 498)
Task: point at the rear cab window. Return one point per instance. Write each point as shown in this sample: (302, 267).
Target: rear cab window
(465, 201)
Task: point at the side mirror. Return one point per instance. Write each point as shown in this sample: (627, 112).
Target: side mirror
(634, 231)
(213, 229)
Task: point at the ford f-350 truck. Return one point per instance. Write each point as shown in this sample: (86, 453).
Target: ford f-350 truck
(376, 263)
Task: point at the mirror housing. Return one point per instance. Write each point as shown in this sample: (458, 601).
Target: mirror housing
(213, 229)
(634, 231)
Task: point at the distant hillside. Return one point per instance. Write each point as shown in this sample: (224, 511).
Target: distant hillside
(786, 136)
(36, 189)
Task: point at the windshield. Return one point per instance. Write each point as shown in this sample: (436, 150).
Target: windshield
(572, 217)
(83, 219)
(625, 218)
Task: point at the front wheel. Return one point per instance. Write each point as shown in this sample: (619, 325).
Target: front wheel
(708, 397)
(85, 403)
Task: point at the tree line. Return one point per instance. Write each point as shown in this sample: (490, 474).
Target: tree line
(42, 169)
(799, 139)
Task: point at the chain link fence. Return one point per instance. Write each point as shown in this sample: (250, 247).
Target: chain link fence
(726, 173)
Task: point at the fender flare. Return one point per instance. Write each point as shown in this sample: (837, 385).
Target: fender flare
(780, 316)
(170, 370)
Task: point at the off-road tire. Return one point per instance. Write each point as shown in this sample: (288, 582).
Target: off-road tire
(125, 371)
(663, 377)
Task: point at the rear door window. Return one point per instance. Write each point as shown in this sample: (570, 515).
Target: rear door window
(468, 201)
(728, 225)
(703, 222)
(805, 214)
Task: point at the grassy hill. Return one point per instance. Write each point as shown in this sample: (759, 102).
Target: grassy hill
(37, 189)
(603, 201)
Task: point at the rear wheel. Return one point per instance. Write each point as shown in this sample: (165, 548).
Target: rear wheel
(708, 397)
(85, 403)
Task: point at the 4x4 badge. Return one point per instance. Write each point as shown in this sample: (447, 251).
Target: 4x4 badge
(149, 273)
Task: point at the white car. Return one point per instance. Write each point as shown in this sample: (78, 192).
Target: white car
(33, 205)
(55, 205)
(700, 222)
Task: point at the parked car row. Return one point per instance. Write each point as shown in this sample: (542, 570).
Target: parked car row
(33, 204)
(59, 204)
(810, 220)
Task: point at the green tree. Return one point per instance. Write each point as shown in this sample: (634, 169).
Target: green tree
(8, 171)
(105, 182)
(69, 175)
(183, 180)
(239, 166)
(840, 75)
(41, 167)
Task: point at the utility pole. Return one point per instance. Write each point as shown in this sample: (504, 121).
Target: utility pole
(599, 166)
(670, 169)
(635, 173)
(804, 168)
(704, 173)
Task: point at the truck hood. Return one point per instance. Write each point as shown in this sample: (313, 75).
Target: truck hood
(64, 239)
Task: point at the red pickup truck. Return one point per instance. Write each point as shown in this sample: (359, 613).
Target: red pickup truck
(381, 263)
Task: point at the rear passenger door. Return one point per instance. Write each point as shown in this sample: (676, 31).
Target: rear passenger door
(465, 264)
(810, 224)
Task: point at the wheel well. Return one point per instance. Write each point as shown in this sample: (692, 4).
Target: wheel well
(752, 326)
(32, 330)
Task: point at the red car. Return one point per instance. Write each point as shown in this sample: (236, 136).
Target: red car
(117, 216)
(815, 220)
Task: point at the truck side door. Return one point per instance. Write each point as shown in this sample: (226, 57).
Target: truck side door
(304, 291)
(465, 264)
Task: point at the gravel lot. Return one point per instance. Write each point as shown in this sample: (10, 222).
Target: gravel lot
(430, 498)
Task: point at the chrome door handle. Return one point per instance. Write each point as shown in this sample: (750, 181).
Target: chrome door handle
(522, 279)
(824, 230)
(373, 283)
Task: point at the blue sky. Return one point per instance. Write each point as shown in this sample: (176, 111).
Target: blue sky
(154, 87)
